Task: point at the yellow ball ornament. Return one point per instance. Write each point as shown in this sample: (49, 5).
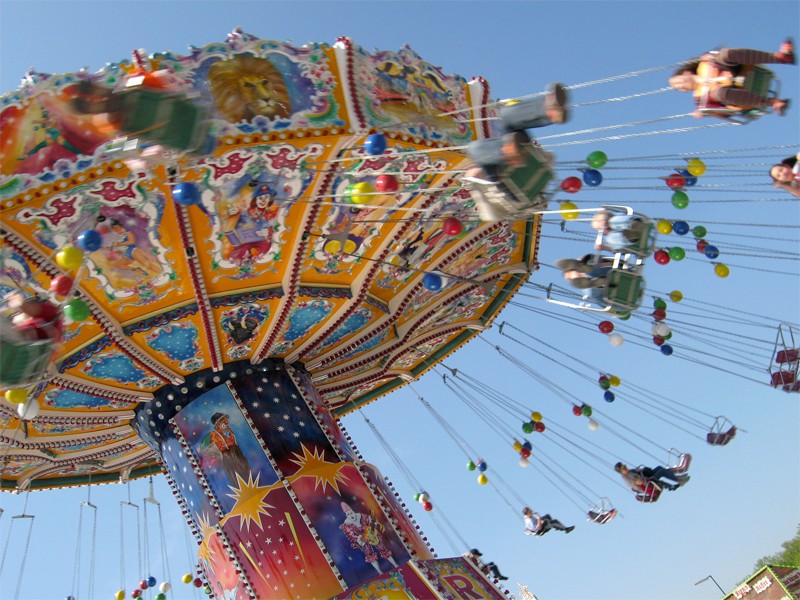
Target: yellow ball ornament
(187, 578)
(69, 257)
(664, 227)
(722, 270)
(696, 167)
(614, 380)
(569, 211)
(17, 395)
(517, 446)
(675, 296)
(357, 192)
(120, 595)
(482, 479)
(536, 417)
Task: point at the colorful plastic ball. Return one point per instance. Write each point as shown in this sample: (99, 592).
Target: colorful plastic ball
(16, 395)
(592, 177)
(609, 396)
(614, 380)
(61, 285)
(577, 411)
(357, 193)
(666, 349)
(539, 427)
(593, 425)
(160, 596)
(151, 581)
(198, 582)
(375, 144)
(677, 253)
(659, 303)
(664, 227)
(424, 497)
(660, 329)
(517, 445)
(76, 310)
(527, 444)
(524, 462)
(569, 211)
(452, 226)
(536, 417)
(432, 282)
(482, 479)
(668, 336)
(615, 340)
(624, 315)
(207, 590)
(143, 584)
(680, 200)
(527, 427)
(28, 410)
(136, 593)
(89, 240)
(676, 295)
(70, 598)
(387, 184)
(187, 578)
(69, 257)
(471, 466)
(661, 257)
(658, 340)
(701, 245)
(482, 466)
(427, 506)
(586, 410)
(711, 252)
(525, 453)
(571, 185)
(186, 193)
(119, 595)
(675, 181)
(722, 270)
(605, 326)
(659, 314)
(680, 227)
(597, 159)
(696, 167)
(416, 497)
(604, 383)
(691, 180)
(699, 231)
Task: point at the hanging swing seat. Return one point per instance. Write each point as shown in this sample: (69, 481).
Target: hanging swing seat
(650, 493)
(624, 290)
(753, 78)
(515, 191)
(722, 432)
(24, 363)
(632, 253)
(784, 368)
(681, 462)
(602, 512)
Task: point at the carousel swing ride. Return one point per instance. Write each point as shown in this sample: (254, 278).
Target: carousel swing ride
(211, 258)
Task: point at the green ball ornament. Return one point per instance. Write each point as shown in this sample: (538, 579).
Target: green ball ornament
(699, 231)
(624, 315)
(161, 596)
(527, 427)
(76, 310)
(677, 253)
(680, 200)
(586, 410)
(597, 159)
(416, 497)
(659, 303)
(605, 384)
(471, 466)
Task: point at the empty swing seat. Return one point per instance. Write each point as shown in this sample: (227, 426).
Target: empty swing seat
(782, 378)
(684, 460)
(602, 517)
(624, 289)
(786, 356)
(721, 438)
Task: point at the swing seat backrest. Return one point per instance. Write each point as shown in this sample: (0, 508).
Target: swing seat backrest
(22, 364)
(786, 356)
(624, 289)
(684, 461)
(651, 493)
(721, 438)
(601, 518)
(780, 378)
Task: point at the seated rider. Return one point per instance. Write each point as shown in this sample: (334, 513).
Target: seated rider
(711, 78)
(536, 524)
(475, 555)
(35, 319)
(638, 479)
(786, 175)
(619, 231)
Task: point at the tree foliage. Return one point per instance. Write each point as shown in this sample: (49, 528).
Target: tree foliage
(789, 556)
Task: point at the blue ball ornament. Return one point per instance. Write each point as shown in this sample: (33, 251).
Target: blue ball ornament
(711, 252)
(89, 240)
(609, 396)
(592, 177)
(527, 445)
(375, 144)
(680, 227)
(690, 179)
(482, 466)
(151, 581)
(186, 193)
(432, 282)
(666, 349)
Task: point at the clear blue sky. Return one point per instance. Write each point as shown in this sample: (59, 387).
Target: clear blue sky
(743, 500)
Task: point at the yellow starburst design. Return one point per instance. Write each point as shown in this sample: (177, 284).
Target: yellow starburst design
(313, 464)
(206, 531)
(249, 497)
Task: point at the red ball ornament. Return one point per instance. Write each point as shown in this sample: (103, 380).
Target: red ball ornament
(661, 257)
(676, 181)
(701, 246)
(136, 593)
(452, 226)
(659, 314)
(577, 411)
(525, 452)
(427, 506)
(143, 584)
(658, 340)
(198, 582)
(606, 326)
(539, 426)
(61, 285)
(387, 184)
(571, 185)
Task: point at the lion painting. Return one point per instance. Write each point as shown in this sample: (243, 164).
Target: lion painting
(245, 86)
